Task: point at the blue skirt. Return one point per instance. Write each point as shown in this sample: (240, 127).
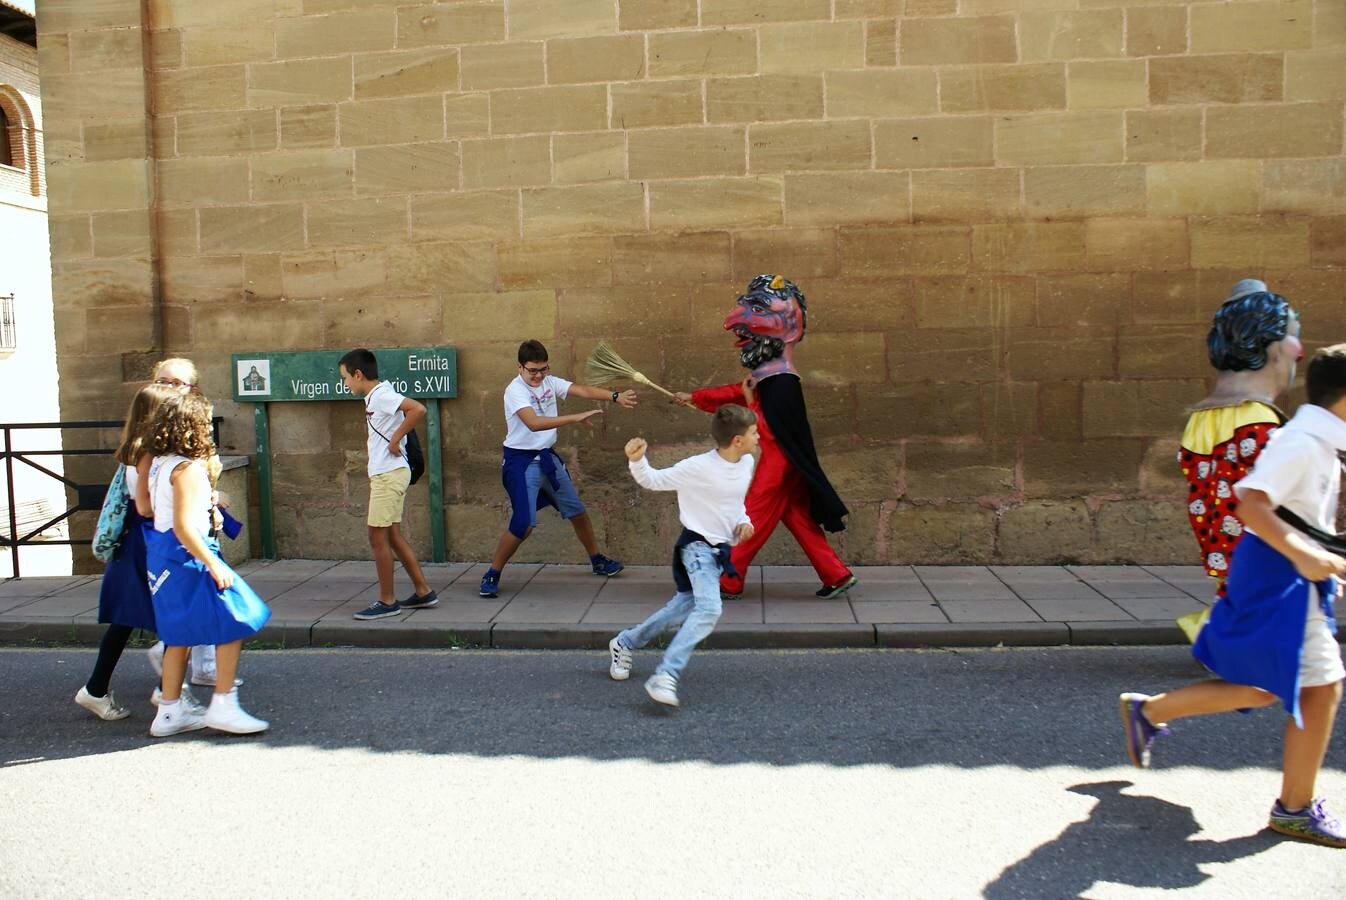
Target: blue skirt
(1255, 635)
(124, 597)
(188, 607)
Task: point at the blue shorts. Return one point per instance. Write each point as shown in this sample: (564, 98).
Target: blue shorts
(566, 498)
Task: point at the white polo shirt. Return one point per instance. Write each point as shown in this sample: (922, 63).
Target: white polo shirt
(1299, 469)
(383, 411)
(542, 400)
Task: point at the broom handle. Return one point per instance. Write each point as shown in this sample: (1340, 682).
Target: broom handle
(645, 381)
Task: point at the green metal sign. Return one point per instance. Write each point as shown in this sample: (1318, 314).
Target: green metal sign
(422, 373)
(419, 372)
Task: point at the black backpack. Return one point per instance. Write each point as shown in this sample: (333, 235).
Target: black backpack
(415, 456)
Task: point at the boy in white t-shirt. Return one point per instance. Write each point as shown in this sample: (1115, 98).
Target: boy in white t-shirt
(1272, 637)
(533, 474)
(711, 487)
(389, 418)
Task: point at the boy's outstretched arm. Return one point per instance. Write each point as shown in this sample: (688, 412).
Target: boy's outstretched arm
(1309, 559)
(649, 477)
(534, 422)
(626, 398)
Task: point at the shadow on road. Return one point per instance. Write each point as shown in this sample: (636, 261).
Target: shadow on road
(1030, 709)
(1155, 836)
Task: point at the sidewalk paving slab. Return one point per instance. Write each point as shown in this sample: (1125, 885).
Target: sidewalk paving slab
(542, 606)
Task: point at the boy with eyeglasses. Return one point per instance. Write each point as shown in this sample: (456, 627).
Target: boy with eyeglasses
(533, 475)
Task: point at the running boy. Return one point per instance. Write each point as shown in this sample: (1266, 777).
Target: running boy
(388, 417)
(711, 487)
(1271, 637)
(533, 474)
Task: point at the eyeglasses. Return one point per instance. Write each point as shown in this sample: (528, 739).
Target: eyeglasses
(542, 371)
(174, 382)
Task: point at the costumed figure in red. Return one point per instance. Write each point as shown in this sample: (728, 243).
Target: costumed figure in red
(789, 484)
(1254, 345)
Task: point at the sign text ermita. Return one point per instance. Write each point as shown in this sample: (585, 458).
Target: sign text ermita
(266, 377)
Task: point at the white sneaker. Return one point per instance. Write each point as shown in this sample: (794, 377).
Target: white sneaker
(224, 714)
(662, 688)
(620, 669)
(175, 721)
(105, 708)
(156, 656)
(187, 698)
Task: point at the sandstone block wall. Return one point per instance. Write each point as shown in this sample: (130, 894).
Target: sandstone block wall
(1013, 220)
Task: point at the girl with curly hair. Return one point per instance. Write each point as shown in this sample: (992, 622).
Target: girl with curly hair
(198, 599)
(124, 597)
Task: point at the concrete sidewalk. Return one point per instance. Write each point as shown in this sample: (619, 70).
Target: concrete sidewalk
(567, 606)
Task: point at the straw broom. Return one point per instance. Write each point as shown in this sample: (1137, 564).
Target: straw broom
(605, 366)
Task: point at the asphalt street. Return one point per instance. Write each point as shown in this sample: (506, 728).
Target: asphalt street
(996, 773)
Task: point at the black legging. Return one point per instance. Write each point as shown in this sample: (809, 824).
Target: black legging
(109, 651)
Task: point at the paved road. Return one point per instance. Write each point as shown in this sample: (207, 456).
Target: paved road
(897, 773)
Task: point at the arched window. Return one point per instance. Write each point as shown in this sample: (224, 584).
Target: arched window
(6, 144)
(18, 142)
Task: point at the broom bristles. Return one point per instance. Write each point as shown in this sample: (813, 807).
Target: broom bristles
(606, 366)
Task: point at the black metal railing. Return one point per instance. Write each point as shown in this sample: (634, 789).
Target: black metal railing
(87, 496)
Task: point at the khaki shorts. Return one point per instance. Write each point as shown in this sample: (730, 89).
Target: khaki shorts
(1320, 660)
(387, 496)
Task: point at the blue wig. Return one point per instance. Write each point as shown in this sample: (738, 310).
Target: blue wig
(1244, 327)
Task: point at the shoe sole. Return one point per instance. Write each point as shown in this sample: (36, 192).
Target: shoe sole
(1124, 706)
(488, 596)
(1306, 838)
(434, 602)
(391, 615)
(618, 674)
(611, 574)
(195, 727)
(223, 730)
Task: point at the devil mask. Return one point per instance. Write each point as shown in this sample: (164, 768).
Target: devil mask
(768, 320)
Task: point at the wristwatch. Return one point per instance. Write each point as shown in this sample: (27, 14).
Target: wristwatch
(614, 396)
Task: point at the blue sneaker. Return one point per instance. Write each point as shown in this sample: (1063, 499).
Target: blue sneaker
(379, 610)
(421, 602)
(604, 566)
(1312, 823)
(1140, 734)
(490, 585)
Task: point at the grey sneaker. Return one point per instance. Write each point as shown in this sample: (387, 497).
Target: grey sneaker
(662, 688)
(620, 667)
(189, 701)
(1313, 823)
(106, 708)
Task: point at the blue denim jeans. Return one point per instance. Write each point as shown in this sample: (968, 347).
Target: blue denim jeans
(566, 498)
(696, 611)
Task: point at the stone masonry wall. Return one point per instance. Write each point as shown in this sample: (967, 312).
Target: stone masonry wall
(1013, 220)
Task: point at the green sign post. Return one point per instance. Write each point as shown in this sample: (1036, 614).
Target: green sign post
(423, 373)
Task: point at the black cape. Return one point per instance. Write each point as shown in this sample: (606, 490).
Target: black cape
(782, 400)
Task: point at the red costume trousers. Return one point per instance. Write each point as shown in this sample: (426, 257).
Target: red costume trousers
(777, 494)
